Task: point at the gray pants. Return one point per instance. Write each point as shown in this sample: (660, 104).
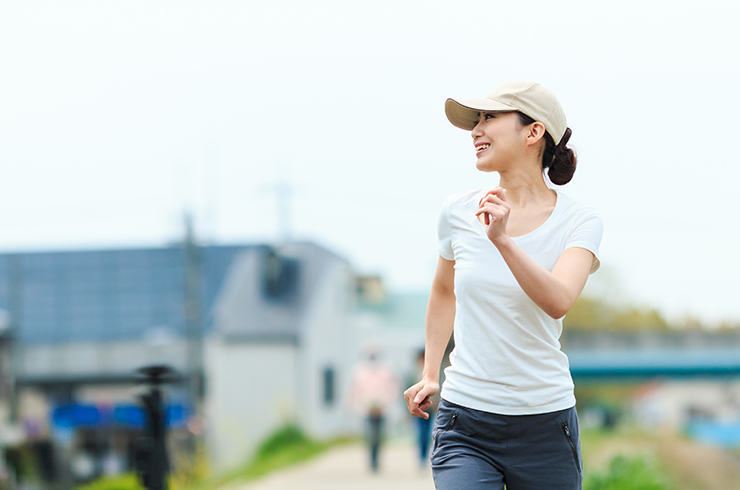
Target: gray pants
(474, 450)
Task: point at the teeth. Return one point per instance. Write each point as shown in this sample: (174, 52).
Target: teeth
(483, 147)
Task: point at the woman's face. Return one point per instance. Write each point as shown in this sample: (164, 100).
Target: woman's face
(499, 140)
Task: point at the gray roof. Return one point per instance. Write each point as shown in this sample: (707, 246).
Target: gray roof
(127, 294)
(247, 311)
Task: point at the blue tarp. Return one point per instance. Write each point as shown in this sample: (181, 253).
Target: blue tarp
(77, 415)
(725, 434)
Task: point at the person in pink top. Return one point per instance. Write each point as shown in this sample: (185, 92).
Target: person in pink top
(374, 388)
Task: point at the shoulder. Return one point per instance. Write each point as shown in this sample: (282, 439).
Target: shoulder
(463, 200)
(582, 226)
(573, 210)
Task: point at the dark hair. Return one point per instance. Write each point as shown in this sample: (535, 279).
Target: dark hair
(559, 160)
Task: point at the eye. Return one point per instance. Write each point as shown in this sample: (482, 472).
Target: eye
(489, 116)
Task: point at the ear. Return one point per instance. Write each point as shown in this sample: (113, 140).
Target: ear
(535, 133)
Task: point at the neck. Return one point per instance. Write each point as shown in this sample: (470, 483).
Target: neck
(526, 189)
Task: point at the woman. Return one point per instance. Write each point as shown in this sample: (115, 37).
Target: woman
(513, 260)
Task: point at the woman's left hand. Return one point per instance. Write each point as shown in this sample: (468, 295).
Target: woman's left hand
(495, 209)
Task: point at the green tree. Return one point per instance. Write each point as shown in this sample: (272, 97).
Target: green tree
(596, 314)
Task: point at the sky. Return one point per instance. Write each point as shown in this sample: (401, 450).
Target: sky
(117, 118)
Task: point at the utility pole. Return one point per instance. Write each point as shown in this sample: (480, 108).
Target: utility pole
(284, 195)
(15, 306)
(193, 316)
(283, 191)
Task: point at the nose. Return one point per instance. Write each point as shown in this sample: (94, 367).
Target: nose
(477, 131)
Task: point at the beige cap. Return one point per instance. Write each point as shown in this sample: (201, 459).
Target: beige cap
(531, 98)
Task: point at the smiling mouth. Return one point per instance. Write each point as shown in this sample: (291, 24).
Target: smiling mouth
(482, 148)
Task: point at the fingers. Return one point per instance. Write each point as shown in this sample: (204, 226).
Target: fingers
(494, 199)
(491, 212)
(410, 396)
(421, 414)
(493, 205)
(417, 409)
(426, 392)
(487, 218)
(418, 399)
(496, 191)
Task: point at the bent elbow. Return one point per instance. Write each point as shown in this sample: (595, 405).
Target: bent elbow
(557, 314)
(442, 294)
(558, 310)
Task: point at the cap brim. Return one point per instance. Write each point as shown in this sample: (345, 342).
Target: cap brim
(463, 113)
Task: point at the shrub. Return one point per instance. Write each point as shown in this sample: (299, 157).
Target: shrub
(288, 437)
(628, 473)
(121, 482)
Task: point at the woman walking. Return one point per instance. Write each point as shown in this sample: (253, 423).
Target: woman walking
(513, 260)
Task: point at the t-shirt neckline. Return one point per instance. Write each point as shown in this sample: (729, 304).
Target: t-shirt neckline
(543, 227)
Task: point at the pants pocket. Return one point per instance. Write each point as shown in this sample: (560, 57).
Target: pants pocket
(442, 426)
(572, 443)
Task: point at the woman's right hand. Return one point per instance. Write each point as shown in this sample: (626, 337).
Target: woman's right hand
(419, 397)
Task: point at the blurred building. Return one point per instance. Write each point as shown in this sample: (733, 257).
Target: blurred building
(260, 336)
(683, 381)
(80, 324)
(281, 342)
(287, 330)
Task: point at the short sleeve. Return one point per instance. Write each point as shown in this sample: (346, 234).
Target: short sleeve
(444, 233)
(587, 234)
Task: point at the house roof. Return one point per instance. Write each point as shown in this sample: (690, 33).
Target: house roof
(113, 295)
(248, 310)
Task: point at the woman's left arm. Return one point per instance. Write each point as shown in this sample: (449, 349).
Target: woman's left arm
(554, 291)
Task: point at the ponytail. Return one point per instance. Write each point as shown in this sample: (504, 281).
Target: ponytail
(559, 160)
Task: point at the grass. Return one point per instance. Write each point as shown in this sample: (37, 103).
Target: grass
(621, 459)
(629, 473)
(127, 481)
(286, 447)
(629, 458)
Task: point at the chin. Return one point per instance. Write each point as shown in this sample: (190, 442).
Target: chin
(483, 167)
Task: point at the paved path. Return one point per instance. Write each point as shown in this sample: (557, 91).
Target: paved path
(346, 467)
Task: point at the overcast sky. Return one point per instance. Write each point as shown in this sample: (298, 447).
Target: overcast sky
(116, 117)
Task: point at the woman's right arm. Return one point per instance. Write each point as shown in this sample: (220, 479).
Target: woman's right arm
(439, 323)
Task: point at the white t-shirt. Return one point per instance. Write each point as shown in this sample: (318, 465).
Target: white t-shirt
(507, 358)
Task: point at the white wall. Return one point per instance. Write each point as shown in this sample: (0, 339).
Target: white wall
(324, 343)
(667, 404)
(250, 392)
(101, 358)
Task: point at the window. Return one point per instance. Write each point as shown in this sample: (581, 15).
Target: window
(329, 386)
(279, 277)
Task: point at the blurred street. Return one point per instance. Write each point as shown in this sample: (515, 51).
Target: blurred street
(347, 467)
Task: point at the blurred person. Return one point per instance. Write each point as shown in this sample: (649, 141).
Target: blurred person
(374, 388)
(513, 260)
